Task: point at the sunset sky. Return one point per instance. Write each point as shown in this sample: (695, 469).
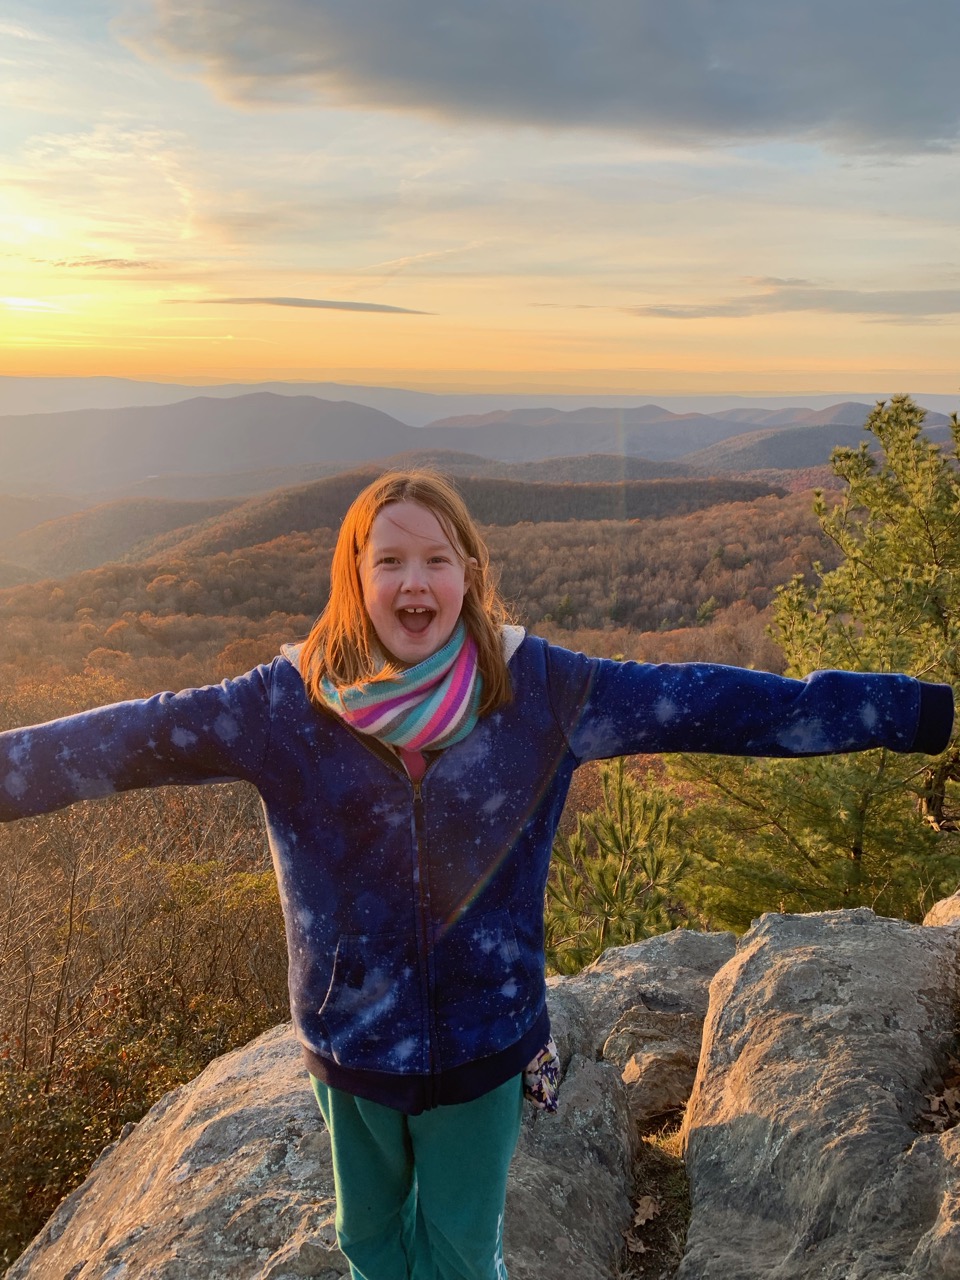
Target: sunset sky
(671, 196)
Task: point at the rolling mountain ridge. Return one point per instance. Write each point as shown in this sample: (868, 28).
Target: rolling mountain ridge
(112, 532)
(108, 452)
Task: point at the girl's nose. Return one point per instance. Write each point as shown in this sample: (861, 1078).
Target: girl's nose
(414, 578)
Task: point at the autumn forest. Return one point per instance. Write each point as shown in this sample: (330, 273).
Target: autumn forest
(141, 936)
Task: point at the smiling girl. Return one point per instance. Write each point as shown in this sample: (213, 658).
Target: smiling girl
(413, 756)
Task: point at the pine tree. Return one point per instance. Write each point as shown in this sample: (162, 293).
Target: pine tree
(614, 879)
(875, 828)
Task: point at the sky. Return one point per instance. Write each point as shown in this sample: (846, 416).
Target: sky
(650, 196)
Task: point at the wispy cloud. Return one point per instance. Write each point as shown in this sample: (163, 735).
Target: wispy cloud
(327, 304)
(29, 304)
(857, 74)
(11, 31)
(800, 295)
(394, 266)
(103, 264)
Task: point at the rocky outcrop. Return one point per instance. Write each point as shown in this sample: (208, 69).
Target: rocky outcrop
(230, 1178)
(819, 1134)
(827, 1038)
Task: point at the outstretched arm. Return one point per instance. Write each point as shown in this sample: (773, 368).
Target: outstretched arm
(217, 733)
(613, 708)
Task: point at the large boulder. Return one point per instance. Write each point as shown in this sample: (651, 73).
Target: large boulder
(827, 1036)
(230, 1176)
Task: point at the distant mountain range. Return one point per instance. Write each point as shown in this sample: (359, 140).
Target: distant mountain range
(416, 408)
(114, 452)
(134, 530)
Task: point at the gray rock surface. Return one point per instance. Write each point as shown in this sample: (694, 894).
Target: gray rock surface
(825, 1034)
(230, 1176)
(825, 1038)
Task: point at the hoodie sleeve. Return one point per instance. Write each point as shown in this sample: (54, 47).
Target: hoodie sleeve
(612, 708)
(217, 733)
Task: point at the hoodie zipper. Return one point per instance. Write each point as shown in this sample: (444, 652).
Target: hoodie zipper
(418, 834)
(427, 985)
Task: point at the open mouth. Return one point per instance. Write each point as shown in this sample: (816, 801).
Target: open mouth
(415, 620)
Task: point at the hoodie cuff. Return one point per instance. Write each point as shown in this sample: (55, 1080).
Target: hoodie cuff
(935, 720)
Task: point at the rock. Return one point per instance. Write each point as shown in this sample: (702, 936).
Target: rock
(227, 1177)
(657, 1054)
(824, 1035)
(944, 912)
(568, 1202)
(642, 1008)
(668, 973)
(231, 1175)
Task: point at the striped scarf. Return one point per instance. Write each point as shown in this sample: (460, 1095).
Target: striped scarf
(423, 708)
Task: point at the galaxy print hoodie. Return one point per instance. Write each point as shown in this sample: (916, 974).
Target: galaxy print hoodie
(414, 911)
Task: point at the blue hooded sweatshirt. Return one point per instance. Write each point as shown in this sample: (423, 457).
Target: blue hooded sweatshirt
(414, 911)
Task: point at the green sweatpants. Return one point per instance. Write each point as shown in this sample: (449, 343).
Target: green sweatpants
(421, 1197)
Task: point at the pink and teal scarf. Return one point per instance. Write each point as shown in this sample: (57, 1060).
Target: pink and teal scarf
(424, 708)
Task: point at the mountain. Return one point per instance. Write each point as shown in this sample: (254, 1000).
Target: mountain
(596, 467)
(103, 533)
(587, 416)
(18, 512)
(13, 575)
(668, 437)
(109, 453)
(57, 395)
(492, 502)
(132, 531)
(97, 450)
(792, 448)
(788, 447)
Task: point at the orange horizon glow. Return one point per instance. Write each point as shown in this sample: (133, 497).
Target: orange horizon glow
(156, 226)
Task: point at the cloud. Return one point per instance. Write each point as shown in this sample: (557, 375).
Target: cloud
(103, 264)
(323, 303)
(857, 74)
(9, 30)
(800, 295)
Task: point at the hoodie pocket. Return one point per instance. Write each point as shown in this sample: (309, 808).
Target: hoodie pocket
(372, 1015)
(488, 991)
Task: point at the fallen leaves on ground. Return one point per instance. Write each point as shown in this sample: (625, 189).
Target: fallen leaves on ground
(646, 1208)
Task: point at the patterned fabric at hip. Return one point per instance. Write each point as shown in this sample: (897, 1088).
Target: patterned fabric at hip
(541, 1078)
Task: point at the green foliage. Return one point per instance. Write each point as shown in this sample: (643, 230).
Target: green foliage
(876, 828)
(614, 879)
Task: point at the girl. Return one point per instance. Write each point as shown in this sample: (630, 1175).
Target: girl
(413, 757)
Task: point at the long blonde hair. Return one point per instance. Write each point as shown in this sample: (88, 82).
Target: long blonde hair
(342, 646)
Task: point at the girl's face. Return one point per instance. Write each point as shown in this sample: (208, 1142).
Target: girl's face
(413, 581)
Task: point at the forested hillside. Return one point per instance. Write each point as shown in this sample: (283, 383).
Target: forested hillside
(98, 534)
(196, 615)
(604, 468)
(132, 530)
